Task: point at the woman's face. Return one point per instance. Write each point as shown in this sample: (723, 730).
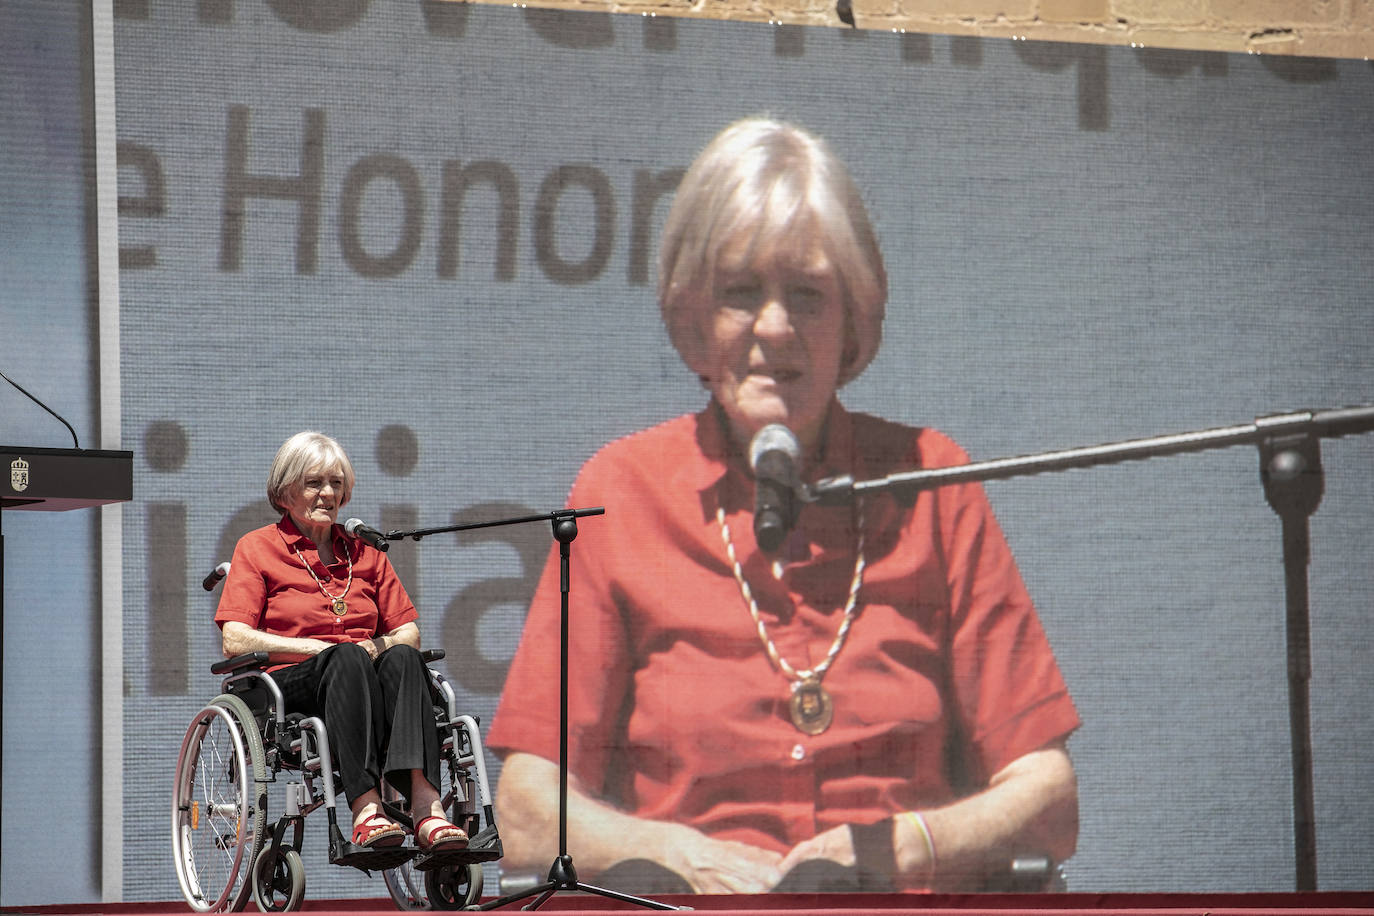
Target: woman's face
(314, 503)
(774, 337)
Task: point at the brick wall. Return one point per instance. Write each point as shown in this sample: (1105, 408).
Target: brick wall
(1318, 28)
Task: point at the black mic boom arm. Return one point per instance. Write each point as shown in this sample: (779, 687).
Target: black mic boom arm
(1343, 421)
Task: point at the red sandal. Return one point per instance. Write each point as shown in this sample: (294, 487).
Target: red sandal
(449, 836)
(376, 832)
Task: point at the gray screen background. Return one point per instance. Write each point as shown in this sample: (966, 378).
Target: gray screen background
(1085, 244)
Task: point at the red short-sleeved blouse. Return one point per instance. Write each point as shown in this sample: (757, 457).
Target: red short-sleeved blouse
(269, 588)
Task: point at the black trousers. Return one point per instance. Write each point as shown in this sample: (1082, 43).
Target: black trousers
(379, 715)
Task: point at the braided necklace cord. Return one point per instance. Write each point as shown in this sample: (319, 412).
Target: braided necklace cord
(850, 608)
(348, 554)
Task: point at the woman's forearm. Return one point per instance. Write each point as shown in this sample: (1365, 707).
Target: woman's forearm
(602, 835)
(527, 798)
(239, 639)
(1029, 807)
(407, 634)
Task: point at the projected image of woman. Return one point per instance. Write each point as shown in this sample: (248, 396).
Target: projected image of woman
(873, 703)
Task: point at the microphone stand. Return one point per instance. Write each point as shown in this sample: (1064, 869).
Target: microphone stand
(1291, 472)
(562, 874)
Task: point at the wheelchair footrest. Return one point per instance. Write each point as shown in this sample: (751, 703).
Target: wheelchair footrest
(371, 859)
(429, 861)
(484, 847)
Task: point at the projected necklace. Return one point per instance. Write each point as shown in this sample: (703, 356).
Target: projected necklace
(809, 705)
(336, 602)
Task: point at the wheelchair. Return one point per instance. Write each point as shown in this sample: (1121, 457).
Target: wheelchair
(242, 742)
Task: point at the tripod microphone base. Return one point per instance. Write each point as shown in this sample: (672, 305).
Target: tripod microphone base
(563, 877)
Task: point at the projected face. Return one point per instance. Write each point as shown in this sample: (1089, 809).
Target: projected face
(315, 502)
(775, 336)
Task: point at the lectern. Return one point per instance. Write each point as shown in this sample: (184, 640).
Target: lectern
(55, 480)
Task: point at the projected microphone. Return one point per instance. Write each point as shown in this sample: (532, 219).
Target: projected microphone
(219, 572)
(356, 528)
(774, 454)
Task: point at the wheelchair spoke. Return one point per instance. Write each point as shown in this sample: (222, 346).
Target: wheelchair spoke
(220, 802)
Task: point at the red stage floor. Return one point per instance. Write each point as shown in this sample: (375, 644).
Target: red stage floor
(1313, 904)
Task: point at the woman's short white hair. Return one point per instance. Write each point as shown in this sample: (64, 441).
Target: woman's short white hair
(770, 178)
(298, 456)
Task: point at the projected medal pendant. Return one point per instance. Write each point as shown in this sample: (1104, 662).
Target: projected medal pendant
(340, 607)
(811, 707)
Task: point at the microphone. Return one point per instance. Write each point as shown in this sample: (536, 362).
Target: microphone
(356, 528)
(219, 572)
(75, 443)
(773, 455)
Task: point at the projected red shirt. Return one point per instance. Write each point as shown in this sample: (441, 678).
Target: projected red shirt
(676, 711)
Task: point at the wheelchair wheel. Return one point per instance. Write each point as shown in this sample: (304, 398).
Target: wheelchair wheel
(454, 887)
(406, 887)
(445, 888)
(219, 806)
(278, 880)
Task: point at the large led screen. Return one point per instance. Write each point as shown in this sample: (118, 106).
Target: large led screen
(430, 230)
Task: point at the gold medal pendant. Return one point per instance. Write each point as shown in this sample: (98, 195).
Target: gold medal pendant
(811, 707)
(340, 607)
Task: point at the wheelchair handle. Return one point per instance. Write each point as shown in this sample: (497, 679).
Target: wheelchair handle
(216, 574)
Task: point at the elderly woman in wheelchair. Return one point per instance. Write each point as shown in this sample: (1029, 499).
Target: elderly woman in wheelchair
(325, 674)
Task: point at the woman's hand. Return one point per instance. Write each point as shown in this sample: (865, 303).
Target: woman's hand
(715, 866)
(835, 845)
(407, 634)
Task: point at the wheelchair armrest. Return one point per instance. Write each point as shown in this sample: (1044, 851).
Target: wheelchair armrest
(1028, 874)
(240, 663)
(259, 660)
